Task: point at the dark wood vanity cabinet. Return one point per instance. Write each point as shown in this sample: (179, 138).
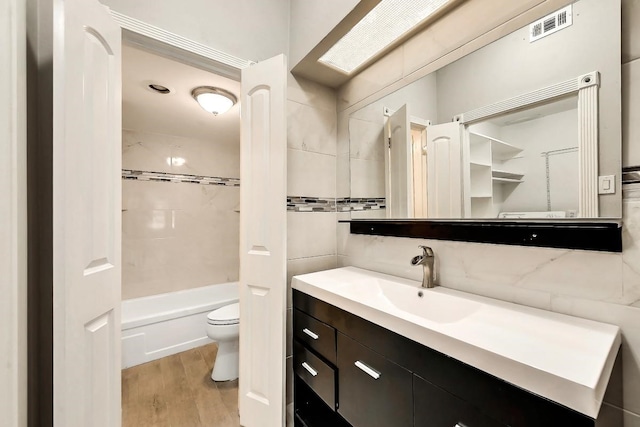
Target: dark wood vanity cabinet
(434, 407)
(368, 376)
(374, 391)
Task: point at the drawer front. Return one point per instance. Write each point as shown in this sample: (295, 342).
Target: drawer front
(373, 391)
(435, 407)
(317, 374)
(315, 334)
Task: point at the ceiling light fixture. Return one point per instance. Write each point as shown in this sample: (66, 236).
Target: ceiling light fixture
(214, 100)
(383, 25)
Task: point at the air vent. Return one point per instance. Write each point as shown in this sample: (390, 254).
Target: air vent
(550, 24)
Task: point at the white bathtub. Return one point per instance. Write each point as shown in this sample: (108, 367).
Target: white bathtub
(165, 324)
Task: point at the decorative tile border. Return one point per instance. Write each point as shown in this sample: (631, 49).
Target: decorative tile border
(345, 204)
(310, 204)
(631, 175)
(363, 204)
(172, 177)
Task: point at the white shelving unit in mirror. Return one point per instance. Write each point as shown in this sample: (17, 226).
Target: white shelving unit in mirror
(489, 169)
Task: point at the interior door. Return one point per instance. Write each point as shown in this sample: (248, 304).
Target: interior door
(13, 214)
(263, 244)
(419, 166)
(444, 171)
(86, 215)
(399, 180)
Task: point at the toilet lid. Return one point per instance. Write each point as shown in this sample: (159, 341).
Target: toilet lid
(227, 315)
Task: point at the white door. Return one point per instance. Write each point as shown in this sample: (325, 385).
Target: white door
(13, 207)
(444, 171)
(263, 244)
(419, 166)
(399, 180)
(86, 215)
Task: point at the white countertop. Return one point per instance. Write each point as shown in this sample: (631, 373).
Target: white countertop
(563, 358)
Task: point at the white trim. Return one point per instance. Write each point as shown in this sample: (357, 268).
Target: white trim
(13, 213)
(157, 40)
(531, 98)
(588, 152)
(586, 87)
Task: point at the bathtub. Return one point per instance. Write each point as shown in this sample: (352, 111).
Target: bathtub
(160, 325)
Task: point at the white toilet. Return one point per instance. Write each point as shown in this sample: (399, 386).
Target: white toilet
(223, 326)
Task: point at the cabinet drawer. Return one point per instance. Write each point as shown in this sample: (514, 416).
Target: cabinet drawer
(317, 374)
(374, 392)
(435, 407)
(315, 334)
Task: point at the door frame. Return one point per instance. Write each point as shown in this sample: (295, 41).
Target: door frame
(13, 213)
(164, 43)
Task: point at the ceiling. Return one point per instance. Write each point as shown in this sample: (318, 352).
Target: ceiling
(176, 113)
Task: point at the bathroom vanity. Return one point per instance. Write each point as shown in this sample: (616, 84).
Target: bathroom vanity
(372, 350)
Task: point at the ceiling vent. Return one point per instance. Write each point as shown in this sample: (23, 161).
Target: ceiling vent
(551, 23)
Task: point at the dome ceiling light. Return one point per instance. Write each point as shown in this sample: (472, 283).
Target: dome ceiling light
(214, 100)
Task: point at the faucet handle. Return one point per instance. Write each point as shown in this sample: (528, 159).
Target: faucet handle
(427, 251)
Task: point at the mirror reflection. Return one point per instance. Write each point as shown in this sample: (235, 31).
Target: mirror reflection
(527, 127)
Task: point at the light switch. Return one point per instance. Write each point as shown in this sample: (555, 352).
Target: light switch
(607, 184)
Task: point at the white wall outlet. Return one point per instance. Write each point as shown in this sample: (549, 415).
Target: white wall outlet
(607, 184)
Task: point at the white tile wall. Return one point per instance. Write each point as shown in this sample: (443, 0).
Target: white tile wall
(310, 174)
(367, 178)
(149, 152)
(178, 236)
(367, 139)
(311, 129)
(311, 234)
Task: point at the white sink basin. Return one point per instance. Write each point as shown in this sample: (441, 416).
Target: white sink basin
(402, 298)
(563, 358)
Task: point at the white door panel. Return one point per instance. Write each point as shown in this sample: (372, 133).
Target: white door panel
(399, 182)
(263, 244)
(444, 171)
(87, 215)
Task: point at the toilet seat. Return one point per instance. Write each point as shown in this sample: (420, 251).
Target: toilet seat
(227, 315)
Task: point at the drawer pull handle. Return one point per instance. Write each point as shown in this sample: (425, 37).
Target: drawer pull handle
(369, 370)
(312, 371)
(311, 334)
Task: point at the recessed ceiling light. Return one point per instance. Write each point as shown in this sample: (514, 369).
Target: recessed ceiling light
(159, 88)
(214, 100)
(384, 24)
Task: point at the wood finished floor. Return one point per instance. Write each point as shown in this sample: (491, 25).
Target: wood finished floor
(177, 391)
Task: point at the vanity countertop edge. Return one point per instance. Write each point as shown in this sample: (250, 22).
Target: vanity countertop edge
(583, 396)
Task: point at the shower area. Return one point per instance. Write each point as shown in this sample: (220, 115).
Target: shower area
(180, 230)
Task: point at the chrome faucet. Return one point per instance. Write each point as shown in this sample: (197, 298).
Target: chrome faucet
(426, 260)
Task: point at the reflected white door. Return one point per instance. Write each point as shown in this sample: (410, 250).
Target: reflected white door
(263, 244)
(86, 215)
(444, 171)
(419, 166)
(398, 168)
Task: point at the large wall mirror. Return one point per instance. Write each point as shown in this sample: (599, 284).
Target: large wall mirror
(528, 127)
